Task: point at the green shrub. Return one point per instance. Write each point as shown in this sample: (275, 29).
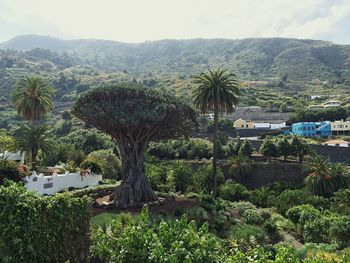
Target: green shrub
(302, 213)
(271, 226)
(203, 179)
(141, 241)
(341, 201)
(340, 231)
(157, 176)
(253, 216)
(110, 164)
(94, 191)
(93, 165)
(286, 254)
(246, 233)
(233, 191)
(9, 170)
(240, 166)
(246, 149)
(261, 196)
(242, 206)
(42, 229)
(317, 230)
(290, 198)
(180, 176)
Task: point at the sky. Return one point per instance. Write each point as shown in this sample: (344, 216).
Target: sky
(143, 20)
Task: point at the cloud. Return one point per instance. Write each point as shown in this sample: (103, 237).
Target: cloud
(140, 20)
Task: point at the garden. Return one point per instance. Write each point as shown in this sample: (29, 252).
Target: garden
(166, 194)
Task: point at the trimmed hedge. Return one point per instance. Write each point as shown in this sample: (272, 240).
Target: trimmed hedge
(95, 191)
(42, 229)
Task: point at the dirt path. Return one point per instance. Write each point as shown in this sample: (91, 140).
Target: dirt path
(168, 207)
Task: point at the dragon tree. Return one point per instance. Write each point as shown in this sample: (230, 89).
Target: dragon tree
(134, 116)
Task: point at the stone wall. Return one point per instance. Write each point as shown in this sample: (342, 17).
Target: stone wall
(265, 174)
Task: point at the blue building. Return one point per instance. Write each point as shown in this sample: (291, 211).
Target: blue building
(311, 129)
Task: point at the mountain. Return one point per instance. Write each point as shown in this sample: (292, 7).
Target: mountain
(171, 62)
(255, 58)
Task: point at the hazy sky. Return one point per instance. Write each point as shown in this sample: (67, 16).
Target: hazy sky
(140, 20)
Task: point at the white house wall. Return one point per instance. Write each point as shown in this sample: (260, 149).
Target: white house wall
(52, 184)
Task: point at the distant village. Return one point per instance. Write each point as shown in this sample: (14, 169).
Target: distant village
(254, 122)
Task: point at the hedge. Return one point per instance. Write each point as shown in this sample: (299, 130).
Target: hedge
(95, 191)
(42, 229)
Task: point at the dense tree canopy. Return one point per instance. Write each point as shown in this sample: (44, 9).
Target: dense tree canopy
(134, 116)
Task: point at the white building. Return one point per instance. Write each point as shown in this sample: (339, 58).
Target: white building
(268, 125)
(52, 184)
(339, 143)
(10, 156)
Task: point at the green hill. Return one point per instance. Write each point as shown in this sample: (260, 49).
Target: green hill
(171, 62)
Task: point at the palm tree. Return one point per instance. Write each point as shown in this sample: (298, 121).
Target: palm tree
(32, 138)
(216, 91)
(325, 178)
(32, 98)
(240, 166)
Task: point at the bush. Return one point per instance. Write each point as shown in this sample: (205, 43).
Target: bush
(242, 206)
(340, 231)
(246, 149)
(302, 213)
(341, 201)
(240, 166)
(42, 229)
(233, 191)
(92, 165)
(290, 198)
(261, 196)
(253, 216)
(203, 179)
(246, 233)
(180, 176)
(9, 170)
(157, 176)
(95, 191)
(110, 164)
(142, 241)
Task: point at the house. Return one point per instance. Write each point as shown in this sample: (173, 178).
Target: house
(243, 124)
(315, 107)
(13, 156)
(340, 127)
(269, 125)
(339, 143)
(331, 103)
(311, 129)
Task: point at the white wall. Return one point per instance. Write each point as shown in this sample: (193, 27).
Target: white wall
(56, 183)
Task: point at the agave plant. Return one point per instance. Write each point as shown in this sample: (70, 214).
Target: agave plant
(325, 178)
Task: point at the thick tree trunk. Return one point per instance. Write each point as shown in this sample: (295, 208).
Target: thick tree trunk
(215, 150)
(135, 189)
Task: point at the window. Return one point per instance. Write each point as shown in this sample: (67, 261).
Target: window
(308, 128)
(246, 125)
(312, 128)
(304, 128)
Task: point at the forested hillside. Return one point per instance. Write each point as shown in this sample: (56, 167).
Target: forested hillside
(72, 65)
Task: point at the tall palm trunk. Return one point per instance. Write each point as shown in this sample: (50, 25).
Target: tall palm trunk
(215, 147)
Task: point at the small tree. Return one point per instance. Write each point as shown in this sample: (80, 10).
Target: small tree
(134, 116)
(325, 178)
(32, 138)
(7, 144)
(299, 148)
(284, 148)
(246, 149)
(268, 149)
(32, 98)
